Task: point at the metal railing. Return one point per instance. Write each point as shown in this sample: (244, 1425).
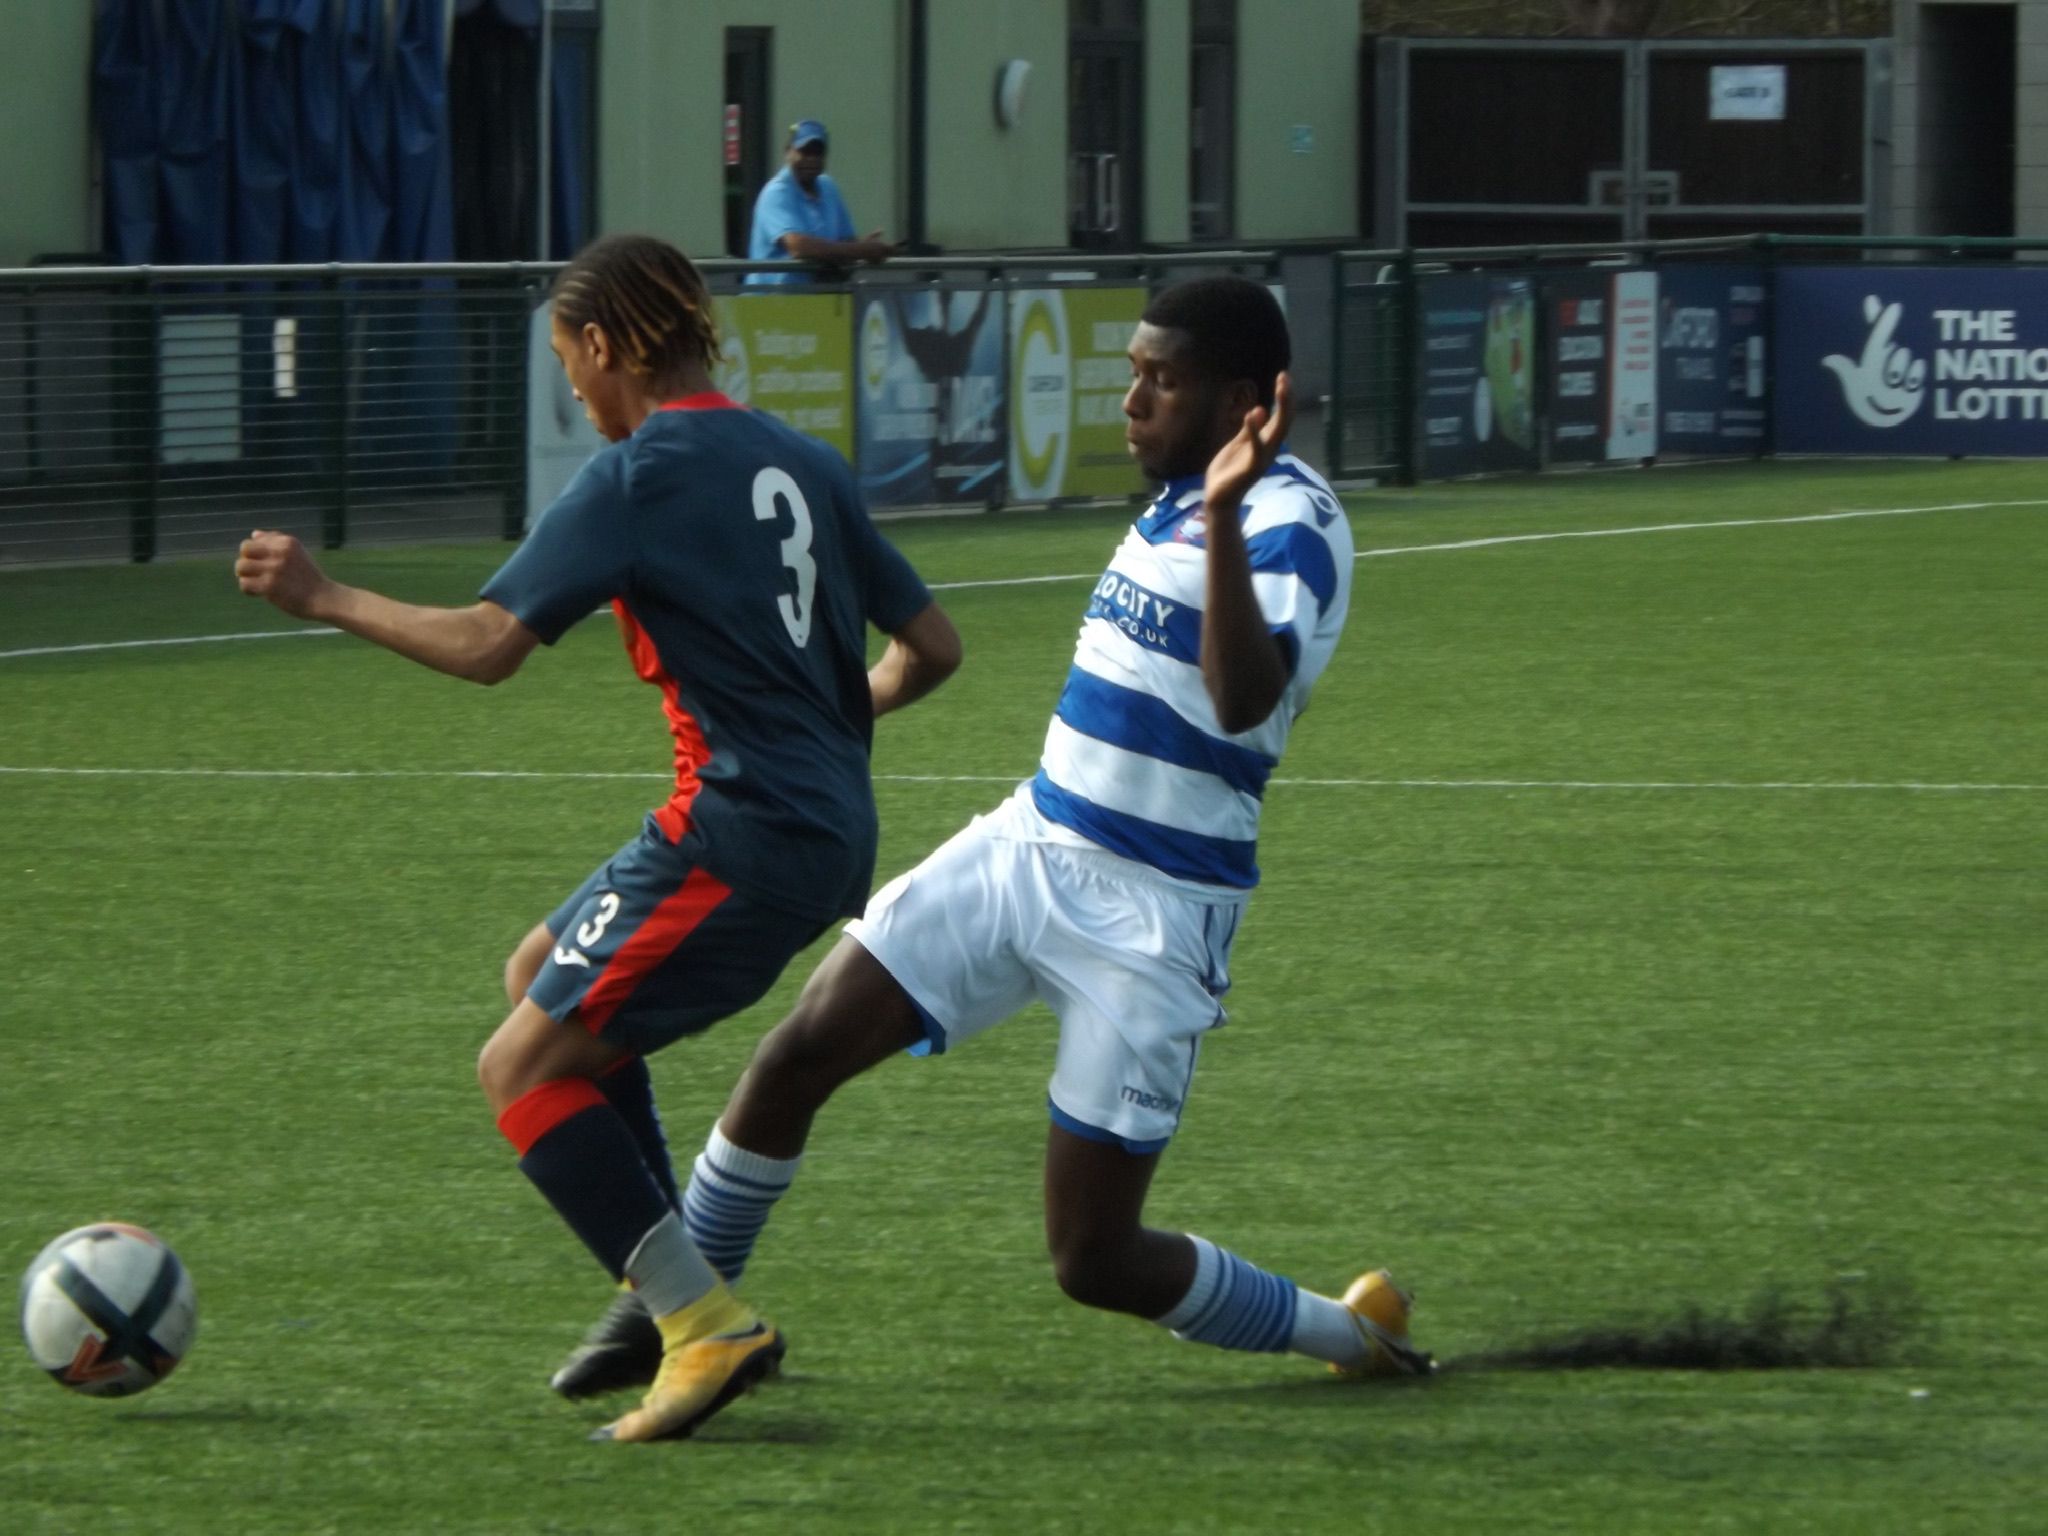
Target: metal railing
(148, 412)
(161, 411)
(1371, 367)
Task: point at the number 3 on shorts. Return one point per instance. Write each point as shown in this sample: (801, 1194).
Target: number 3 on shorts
(770, 486)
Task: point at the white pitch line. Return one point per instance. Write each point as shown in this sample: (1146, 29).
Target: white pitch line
(137, 645)
(1036, 581)
(1817, 785)
(1654, 784)
(1728, 522)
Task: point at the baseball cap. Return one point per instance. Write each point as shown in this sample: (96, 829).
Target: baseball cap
(806, 131)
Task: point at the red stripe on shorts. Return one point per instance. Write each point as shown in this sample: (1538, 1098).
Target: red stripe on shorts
(656, 939)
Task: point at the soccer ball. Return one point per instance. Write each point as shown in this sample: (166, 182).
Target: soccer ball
(108, 1310)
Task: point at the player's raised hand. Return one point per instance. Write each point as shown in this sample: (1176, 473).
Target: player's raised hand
(1240, 462)
(276, 566)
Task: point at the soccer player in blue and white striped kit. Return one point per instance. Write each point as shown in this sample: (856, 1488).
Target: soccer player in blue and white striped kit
(1112, 883)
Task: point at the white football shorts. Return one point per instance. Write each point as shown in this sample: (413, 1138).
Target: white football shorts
(1133, 968)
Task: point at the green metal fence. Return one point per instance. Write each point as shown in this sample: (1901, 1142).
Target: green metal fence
(1371, 361)
(148, 412)
(159, 412)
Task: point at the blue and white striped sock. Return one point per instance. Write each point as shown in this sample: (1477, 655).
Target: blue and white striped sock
(1233, 1304)
(730, 1194)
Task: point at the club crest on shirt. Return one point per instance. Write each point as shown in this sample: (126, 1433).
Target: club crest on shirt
(1192, 527)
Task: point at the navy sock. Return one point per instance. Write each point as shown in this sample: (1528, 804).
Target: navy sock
(630, 1090)
(584, 1160)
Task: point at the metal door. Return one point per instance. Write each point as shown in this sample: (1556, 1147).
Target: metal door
(1103, 103)
(745, 143)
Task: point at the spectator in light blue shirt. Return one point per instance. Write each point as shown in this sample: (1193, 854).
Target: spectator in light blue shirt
(801, 216)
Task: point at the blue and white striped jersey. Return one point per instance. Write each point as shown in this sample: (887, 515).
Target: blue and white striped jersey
(1135, 761)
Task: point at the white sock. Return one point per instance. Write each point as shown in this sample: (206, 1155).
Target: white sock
(1326, 1330)
(667, 1270)
(1208, 1275)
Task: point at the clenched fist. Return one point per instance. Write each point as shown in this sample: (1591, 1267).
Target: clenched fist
(276, 566)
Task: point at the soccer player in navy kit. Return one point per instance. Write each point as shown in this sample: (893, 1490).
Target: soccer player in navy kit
(743, 571)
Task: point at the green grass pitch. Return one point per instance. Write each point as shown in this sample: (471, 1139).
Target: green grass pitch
(1606, 965)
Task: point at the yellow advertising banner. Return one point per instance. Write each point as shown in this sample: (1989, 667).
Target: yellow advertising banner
(791, 355)
(1069, 371)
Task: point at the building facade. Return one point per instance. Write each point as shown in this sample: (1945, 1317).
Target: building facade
(1125, 122)
(964, 125)
(983, 125)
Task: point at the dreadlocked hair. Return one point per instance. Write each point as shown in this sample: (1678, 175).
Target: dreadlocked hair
(649, 300)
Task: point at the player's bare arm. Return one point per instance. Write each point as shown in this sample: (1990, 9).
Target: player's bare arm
(920, 656)
(1243, 666)
(483, 643)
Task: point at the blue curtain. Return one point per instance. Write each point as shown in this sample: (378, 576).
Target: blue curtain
(423, 222)
(569, 111)
(124, 108)
(266, 132)
(259, 131)
(320, 178)
(365, 233)
(430, 384)
(193, 130)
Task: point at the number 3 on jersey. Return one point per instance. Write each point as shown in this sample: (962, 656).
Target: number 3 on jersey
(770, 486)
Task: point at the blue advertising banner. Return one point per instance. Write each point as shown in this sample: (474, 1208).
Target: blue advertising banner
(1913, 360)
(930, 418)
(1478, 375)
(1710, 360)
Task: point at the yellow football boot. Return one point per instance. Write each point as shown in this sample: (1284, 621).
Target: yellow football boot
(714, 1350)
(1381, 1310)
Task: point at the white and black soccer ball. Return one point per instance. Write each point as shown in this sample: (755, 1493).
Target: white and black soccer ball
(108, 1310)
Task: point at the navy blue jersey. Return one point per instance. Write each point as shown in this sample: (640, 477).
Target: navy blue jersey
(744, 571)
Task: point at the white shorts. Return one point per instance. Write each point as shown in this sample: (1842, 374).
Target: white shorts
(1133, 968)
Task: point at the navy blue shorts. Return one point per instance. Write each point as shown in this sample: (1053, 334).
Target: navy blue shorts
(653, 947)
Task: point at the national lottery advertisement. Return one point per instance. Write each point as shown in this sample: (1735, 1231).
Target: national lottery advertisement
(931, 402)
(1912, 360)
(1478, 375)
(791, 355)
(1069, 371)
(1711, 373)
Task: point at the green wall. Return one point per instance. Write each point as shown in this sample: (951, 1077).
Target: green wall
(45, 129)
(988, 187)
(1166, 117)
(661, 125)
(1302, 73)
